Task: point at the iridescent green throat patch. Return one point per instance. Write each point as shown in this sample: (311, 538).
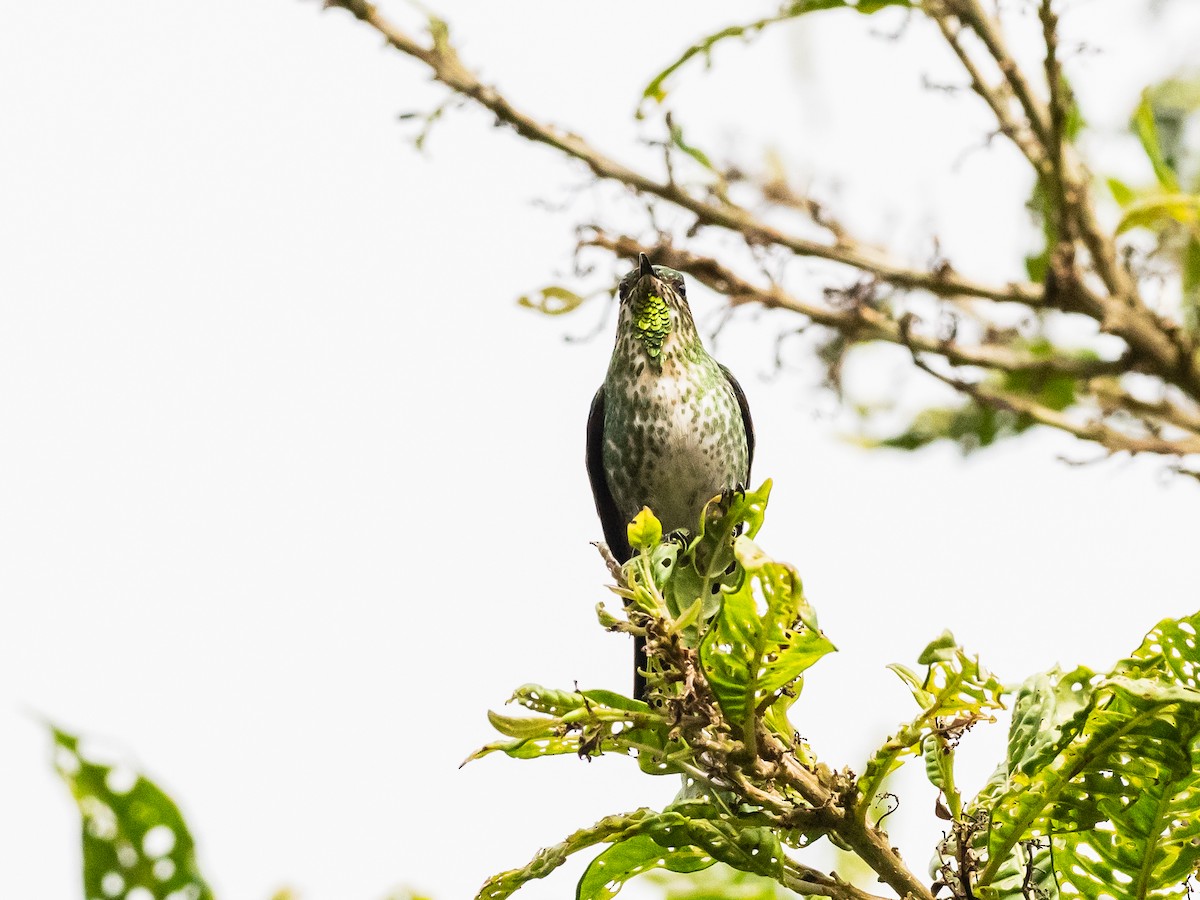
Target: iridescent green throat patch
(652, 321)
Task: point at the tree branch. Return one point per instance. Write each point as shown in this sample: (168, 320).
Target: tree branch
(861, 323)
(972, 14)
(810, 882)
(997, 97)
(1097, 431)
(447, 68)
(1040, 136)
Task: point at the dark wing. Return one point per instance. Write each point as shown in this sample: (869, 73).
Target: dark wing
(616, 529)
(616, 533)
(746, 420)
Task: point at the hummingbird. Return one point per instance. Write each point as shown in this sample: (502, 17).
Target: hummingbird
(670, 427)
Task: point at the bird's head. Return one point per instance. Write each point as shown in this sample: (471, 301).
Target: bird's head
(654, 305)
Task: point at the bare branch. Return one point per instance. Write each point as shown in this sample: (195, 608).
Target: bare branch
(1111, 398)
(997, 97)
(811, 882)
(861, 323)
(973, 15)
(1059, 111)
(777, 190)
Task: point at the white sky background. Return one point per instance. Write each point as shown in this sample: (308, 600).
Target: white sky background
(291, 491)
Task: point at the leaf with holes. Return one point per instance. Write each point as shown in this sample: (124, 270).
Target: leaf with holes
(706, 566)
(1144, 794)
(582, 722)
(1105, 767)
(609, 871)
(687, 836)
(133, 834)
(955, 687)
(609, 829)
(763, 639)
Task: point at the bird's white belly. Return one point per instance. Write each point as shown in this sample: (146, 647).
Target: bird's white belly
(684, 458)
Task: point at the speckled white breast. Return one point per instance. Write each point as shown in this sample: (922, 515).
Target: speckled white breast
(674, 438)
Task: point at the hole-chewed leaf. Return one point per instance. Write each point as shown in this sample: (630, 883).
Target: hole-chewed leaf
(135, 841)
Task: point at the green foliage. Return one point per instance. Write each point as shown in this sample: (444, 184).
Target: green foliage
(133, 834)
(1102, 771)
(579, 722)
(974, 425)
(684, 838)
(615, 829)
(1096, 796)
(954, 693)
(1170, 208)
(1160, 210)
(762, 640)
(743, 618)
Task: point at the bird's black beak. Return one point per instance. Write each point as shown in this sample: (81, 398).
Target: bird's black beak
(644, 267)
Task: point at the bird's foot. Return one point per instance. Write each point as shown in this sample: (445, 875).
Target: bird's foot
(680, 536)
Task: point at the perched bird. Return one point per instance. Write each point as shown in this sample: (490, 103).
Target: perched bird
(670, 427)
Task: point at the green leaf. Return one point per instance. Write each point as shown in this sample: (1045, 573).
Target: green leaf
(1191, 283)
(134, 835)
(551, 301)
(609, 871)
(613, 700)
(733, 840)
(971, 426)
(657, 753)
(955, 691)
(529, 748)
(1146, 129)
(582, 722)
(1155, 212)
(691, 150)
(1144, 811)
(546, 700)
(763, 639)
(521, 727)
(1122, 193)
(931, 752)
(645, 530)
